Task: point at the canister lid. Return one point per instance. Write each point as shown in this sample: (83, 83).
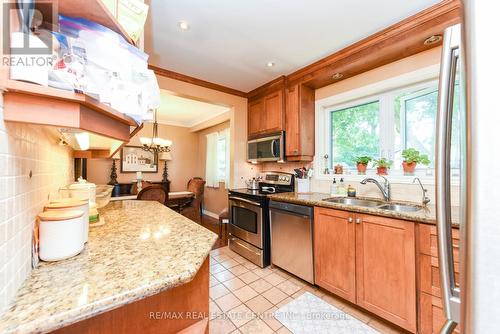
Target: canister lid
(58, 215)
(65, 203)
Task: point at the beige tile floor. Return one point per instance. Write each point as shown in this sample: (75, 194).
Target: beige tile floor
(243, 296)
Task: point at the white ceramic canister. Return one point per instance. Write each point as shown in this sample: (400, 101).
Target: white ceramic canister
(60, 234)
(72, 204)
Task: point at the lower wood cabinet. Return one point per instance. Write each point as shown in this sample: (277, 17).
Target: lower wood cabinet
(368, 260)
(385, 269)
(431, 317)
(335, 252)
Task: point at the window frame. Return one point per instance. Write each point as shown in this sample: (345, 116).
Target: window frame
(385, 91)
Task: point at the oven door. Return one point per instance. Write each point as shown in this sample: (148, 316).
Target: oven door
(246, 220)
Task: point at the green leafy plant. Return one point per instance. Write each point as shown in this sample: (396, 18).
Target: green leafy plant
(383, 162)
(411, 155)
(363, 160)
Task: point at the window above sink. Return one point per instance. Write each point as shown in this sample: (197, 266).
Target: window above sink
(381, 120)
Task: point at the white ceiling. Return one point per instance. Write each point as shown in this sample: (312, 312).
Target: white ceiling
(230, 41)
(180, 111)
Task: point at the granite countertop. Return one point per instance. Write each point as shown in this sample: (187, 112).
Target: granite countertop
(144, 248)
(425, 215)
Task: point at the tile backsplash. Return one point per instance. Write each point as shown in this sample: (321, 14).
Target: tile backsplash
(32, 167)
(399, 190)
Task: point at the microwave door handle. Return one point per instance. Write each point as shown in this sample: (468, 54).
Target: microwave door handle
(450, 292)
(273, 152)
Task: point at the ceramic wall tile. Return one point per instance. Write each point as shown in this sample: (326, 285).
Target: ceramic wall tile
(25, 149)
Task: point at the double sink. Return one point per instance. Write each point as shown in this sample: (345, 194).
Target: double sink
(369, 203)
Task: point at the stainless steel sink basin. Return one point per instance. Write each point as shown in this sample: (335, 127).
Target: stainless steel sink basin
(354, 201)
(374, 204)
(400, 207)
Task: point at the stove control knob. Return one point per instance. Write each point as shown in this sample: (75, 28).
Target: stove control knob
(287, 178)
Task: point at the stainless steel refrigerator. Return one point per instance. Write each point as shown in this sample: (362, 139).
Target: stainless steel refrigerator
(468, 132)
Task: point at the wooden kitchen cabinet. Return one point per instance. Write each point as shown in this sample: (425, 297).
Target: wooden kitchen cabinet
(334, 252)
(255, 115)
(385, 269)
(299, 123)
(431, 317)
(266, 114)
(273, 112)
(368, 260)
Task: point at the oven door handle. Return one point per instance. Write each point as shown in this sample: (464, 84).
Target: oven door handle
(233, 239)
(244, 200)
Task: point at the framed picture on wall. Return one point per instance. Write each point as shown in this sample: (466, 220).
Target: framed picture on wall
(135, 159)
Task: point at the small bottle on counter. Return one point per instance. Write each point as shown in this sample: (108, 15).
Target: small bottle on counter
(351, 191)
(333, 188)
(342, 190)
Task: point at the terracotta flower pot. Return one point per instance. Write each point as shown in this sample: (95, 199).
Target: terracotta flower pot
(361, 169)
(409, 168)
(382, 170)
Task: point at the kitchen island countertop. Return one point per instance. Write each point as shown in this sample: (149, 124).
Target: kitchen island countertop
(426, 215)
(143, 249)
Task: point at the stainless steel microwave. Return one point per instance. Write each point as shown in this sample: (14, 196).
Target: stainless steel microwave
(269, 148)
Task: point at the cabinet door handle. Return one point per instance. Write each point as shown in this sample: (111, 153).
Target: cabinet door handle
(349, 220)
(358, 220)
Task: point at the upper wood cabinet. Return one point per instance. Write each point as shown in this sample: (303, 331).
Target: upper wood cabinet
(266, 114)
(255, 113)
(334, 252)
(368, 260)
(290, 110)
(299, 129)
(273, 112)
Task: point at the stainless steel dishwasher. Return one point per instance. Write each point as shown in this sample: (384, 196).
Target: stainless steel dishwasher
(292, 238)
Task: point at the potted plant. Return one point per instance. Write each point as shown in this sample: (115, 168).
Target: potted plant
(362, 163)
(412, 157)
(382, 165)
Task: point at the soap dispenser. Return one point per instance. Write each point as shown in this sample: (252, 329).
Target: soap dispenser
(333, 188)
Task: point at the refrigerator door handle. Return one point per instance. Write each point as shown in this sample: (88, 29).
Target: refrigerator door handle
(449, 289)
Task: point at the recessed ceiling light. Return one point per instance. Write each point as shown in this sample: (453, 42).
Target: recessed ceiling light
(433, 39)
(337, 76)
(183, 25)
(270, 64)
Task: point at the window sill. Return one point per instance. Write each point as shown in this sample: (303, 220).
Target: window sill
(395, 178)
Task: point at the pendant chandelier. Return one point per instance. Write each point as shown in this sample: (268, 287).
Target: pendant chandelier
(155, 144)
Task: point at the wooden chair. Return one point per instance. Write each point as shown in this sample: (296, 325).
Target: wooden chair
(153, 193)
(193, 209)
(223, 216)
(134, 190)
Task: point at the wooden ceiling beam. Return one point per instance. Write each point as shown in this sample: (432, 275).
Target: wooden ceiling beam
(195, 81)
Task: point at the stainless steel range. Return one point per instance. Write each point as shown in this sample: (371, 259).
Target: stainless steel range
(249, 232)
